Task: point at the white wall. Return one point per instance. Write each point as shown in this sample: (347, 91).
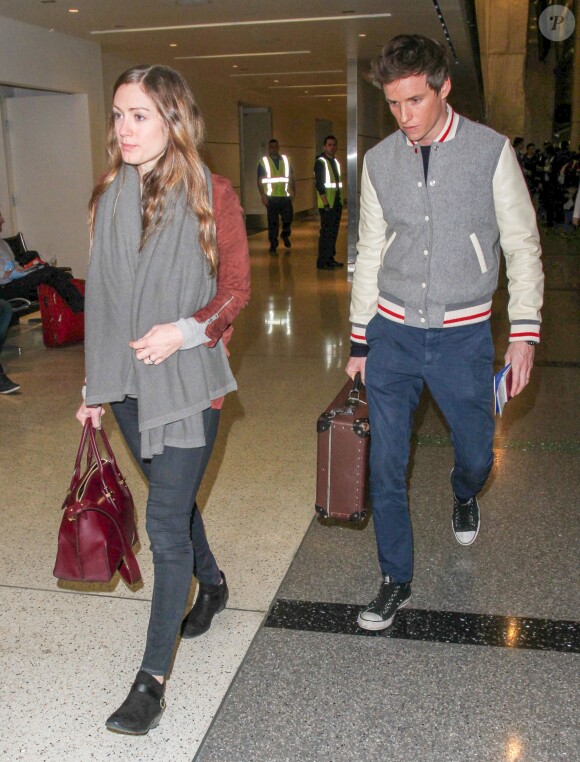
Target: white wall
(33, 57)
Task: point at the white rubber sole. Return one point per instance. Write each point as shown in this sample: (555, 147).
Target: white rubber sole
(377, 626)
(470, 542)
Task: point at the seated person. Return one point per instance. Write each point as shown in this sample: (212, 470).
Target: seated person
(17, 281)
(6, 385)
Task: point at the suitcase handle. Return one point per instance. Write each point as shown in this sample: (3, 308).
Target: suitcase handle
(354, 394)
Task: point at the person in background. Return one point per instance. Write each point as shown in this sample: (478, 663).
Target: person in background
(21, 282)
(328, 180)
(6, 385)
(277, 189)
(440, 198)
(576, 211)
(173, 236)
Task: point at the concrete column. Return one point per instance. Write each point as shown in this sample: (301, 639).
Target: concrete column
(502, 27)
(352, 157)
(575, 131)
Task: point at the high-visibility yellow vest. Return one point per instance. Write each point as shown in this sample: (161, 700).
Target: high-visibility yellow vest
(331, 183)
(276, 180)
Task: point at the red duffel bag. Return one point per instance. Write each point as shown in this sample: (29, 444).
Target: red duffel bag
(98, 525)
(60, 325)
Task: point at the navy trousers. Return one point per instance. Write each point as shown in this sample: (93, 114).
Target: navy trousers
(5, 320)
(457, 366)
(175, 528)
(329, 227)
(279, 207)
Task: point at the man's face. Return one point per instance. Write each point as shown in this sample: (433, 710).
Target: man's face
(330, 147)
(531, 150)
(273, 148)
(420, 112)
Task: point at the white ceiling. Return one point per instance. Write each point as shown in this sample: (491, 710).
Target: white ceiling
(329, 41)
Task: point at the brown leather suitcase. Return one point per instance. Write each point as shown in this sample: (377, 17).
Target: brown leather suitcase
(343, 455)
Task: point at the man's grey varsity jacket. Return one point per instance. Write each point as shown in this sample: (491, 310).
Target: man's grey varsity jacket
(429, 251)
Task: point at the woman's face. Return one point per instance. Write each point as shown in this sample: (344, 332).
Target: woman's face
(141, 132)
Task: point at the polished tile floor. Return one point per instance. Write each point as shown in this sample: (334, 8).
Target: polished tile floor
(482, 667)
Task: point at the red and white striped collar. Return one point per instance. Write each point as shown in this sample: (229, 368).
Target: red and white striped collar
(448, 131)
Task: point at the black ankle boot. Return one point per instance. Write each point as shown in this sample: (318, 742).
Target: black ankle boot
(142, 709)
(210, 600)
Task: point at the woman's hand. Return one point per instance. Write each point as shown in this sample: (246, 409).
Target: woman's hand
(158, 344)
(95, 412)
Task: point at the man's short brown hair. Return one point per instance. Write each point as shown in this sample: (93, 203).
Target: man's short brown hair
(412, 54)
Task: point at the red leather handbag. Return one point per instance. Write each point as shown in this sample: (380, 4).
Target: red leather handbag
(98, 525)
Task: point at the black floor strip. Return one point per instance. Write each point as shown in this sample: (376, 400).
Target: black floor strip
(433, 626)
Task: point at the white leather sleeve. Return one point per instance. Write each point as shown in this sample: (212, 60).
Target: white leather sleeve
(519, 240)
(371, 241)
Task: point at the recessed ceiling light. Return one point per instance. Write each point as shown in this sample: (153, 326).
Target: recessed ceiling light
(254, 22)
(285, 73)
(276, 80)
(234, 66)
(248, 55)
(172, 44)
(362, 35)
(73, 10)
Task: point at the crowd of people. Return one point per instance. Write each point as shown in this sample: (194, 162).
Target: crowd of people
(553, 177)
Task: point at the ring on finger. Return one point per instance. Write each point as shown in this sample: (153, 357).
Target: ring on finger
(148, 361)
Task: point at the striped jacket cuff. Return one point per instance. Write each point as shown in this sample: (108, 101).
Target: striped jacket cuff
(358, 334)
(524, 330)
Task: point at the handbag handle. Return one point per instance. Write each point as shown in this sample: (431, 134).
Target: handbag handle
(96, 455)
(77, 467)
(88, 436)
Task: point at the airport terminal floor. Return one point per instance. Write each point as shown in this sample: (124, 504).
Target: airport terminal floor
(483, 666)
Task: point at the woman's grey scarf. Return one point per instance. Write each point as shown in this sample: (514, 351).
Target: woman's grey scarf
(127, 293)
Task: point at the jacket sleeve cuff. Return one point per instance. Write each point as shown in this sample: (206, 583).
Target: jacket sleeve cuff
(522, 330)
(193, 332)
(358, 341)
(358, 350)
(358, 334)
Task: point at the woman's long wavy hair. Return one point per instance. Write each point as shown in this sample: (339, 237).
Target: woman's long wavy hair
(180, 164)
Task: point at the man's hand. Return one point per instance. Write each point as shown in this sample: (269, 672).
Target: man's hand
(265, 201)
(158, 344)
(356, 365)
(521, 356)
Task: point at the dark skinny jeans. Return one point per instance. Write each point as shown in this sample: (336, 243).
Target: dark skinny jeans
(175, 528)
